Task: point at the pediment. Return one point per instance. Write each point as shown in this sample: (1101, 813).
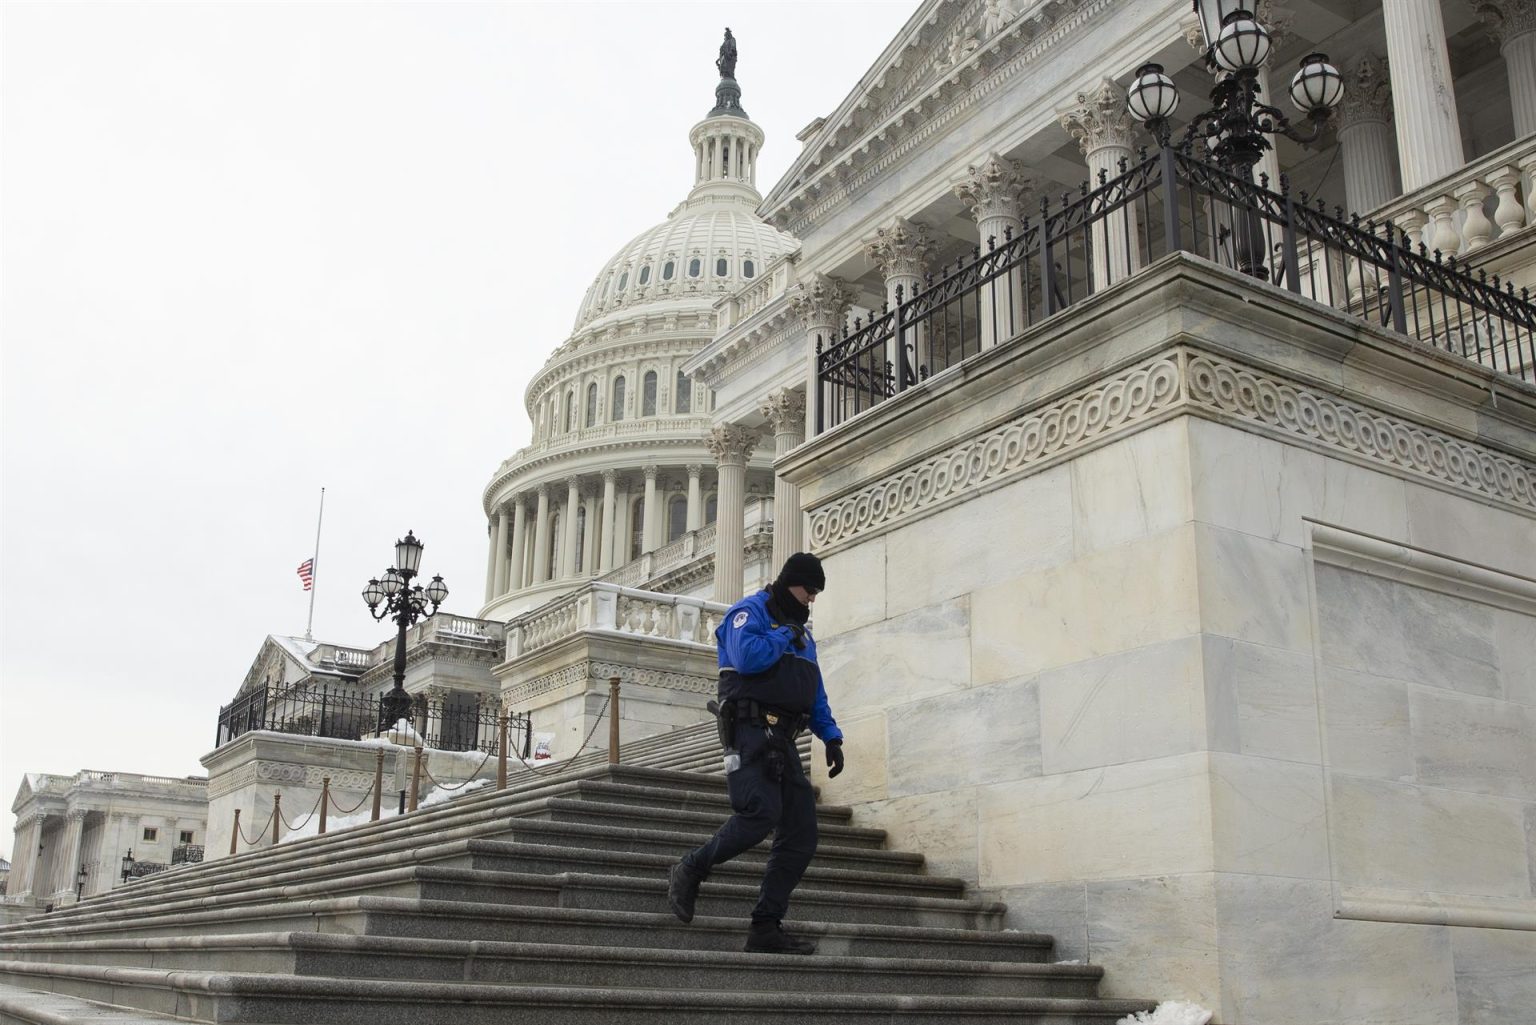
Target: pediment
(945, 46)
(274, 663)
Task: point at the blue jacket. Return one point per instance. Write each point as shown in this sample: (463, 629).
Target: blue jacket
(750, 642)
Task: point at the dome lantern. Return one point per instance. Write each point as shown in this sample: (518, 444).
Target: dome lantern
(726, 142)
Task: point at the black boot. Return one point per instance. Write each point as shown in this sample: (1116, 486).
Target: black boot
(770, 938)
(683, 890)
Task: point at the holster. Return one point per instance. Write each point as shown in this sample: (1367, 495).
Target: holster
(725, 723)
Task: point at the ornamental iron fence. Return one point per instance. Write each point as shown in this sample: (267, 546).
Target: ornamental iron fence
(1164, 202)
(445, 723)
(187, 854)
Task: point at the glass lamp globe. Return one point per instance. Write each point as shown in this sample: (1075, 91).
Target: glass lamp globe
(437, 591)
(392, 581)
(1243, 43)
(1318, 86)
(373, 593)
(1152, 95)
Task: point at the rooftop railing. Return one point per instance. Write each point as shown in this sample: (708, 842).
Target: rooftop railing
(1169, 201)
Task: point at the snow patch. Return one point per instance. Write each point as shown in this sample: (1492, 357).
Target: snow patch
(1170, 1012)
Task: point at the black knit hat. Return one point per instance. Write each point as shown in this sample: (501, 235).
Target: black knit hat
(803, 570)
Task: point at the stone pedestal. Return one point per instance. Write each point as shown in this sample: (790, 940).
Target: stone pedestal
(1200, 632)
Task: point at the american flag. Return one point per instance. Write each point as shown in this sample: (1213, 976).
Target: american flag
(307, 573)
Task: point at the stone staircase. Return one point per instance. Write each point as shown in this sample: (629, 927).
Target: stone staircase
(544, 902)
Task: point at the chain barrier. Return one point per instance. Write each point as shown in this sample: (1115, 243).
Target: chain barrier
(293, 827)
(426, 764)
(260, 833)
(556, 770)
(360, 802)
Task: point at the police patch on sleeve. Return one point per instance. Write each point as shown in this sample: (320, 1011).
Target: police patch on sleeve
(740, 620)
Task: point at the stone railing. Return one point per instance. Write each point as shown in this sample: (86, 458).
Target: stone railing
(682, 423)
(461, 629)
(1487, 200)
(346, 658)
(774, 284)
(668, 557)
(604, 608)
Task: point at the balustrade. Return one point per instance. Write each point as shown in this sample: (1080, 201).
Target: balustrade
(605, 607)
(1483, 202)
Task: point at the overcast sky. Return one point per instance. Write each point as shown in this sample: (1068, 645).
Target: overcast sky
(250, 250)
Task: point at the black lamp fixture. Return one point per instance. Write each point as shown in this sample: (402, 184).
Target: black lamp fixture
(128, 864)
(80, 879)
(395, 597)
(1236, 125)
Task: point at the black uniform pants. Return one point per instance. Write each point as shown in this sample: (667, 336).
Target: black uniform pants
(762, 804)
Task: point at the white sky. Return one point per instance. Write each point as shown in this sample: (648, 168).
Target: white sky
(249, 250)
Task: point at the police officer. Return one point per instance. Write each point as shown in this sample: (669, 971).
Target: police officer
(770, 689)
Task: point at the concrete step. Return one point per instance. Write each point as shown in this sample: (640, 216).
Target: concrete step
(283, 999)
(700, 824)
(513, 923)
(547, 964)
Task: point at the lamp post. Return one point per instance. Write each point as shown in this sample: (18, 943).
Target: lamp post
(395, 597)
(1236, 125)
(80, 878)
(128, 864)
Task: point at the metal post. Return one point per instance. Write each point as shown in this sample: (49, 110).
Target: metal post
(378, 785)
(613, 720)
(277, 816)
(1292, 260)
(416, 780)
(1395, 280)
(1171, 236)
(501, 754)
(325, 800)
(234, 835)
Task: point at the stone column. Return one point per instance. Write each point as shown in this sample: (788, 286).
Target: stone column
(589, 560)
(901, 251)
(568, 542)
(822, 305)
(499, 547)
(622, 527)
(1513, 26)
(1428, 131)
(72, 844)
(610, 482)
(649, 533)
(490, 557)
(541, 538)
(996, 190)
(1105, 132)
(1365, 135)
(785, 411)
(517, 579)
(29, 830)
(695, 498)
(731, 445)
(1277, 21)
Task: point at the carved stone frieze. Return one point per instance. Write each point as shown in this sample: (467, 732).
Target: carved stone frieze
(595, 675)
(1342, 425)
(1000, 453)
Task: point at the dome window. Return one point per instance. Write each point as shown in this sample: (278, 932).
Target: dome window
(623, 281)
(645, 274)
(592, 405)
(747, 270)
(668, 270)
(695, 267)
(722, 268)
(683, 399)
(677, 518)
(648, 394)
(616, 411)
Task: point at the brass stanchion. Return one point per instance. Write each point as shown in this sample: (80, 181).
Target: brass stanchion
(613, 720)
(234, 837)
(416, 780)
(325, 799)
(501, 755)
(378, 785)
(277, 816)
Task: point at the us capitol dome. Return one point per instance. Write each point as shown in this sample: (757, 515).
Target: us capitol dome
(621, 479)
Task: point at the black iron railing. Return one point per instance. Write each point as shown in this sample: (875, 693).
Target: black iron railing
(1168, 201)
(347, 714)
(187, 854)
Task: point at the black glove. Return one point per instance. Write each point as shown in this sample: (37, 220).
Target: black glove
(834, 757)
(797, 632)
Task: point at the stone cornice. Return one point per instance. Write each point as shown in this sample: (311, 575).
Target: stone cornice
(678, 449)
(577, 363)
(777, 324)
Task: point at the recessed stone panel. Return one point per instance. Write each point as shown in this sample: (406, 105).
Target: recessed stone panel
(1483, 745)
(1366, 724)
(1126, 707)
(1495, 971)
(965, 739)
(1515, 636)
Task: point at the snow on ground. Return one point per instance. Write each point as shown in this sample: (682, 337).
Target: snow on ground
(1170, 1012)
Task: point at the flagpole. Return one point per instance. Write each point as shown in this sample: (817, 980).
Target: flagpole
(314, 571)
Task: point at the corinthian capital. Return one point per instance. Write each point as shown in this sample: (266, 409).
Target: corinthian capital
(1277, 21)
(731, 444)
(995, 188)
(900, 248)
(1100, 119)
(1367, 91)
(1506, 19)
(785, 410)
(821, 302)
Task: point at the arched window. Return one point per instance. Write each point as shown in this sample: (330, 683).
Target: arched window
(648, 394)
(682, 401)
(581, 536)
(695, 267)
(721, 267)
(616, 409)
(645, 274)
(710, 504)
(623, 280)
(677, 518)
(668, 270)
(636, 527)
(570, 411)
(592, 404)
(747, 270)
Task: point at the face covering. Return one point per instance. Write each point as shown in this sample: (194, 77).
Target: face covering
(788, 607)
